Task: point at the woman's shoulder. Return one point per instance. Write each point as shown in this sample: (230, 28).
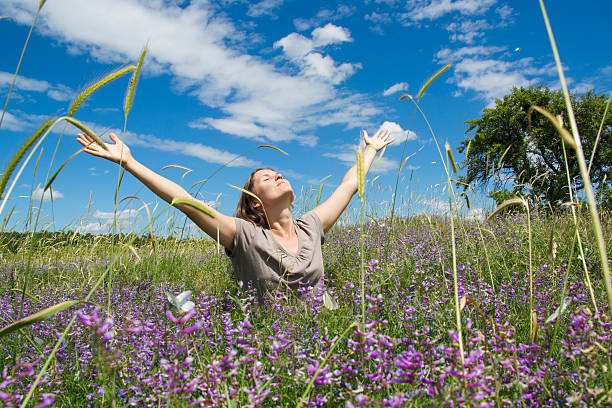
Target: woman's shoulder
(310, 221)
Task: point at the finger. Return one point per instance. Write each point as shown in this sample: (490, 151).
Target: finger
(84, 141)
(364, 134)
(85, 137)
(114, 137)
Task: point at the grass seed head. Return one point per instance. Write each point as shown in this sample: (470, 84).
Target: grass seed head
(131, 90)
(567, 137)
(430, 80)
(449, 153)
(94, 87)
(87, 131)
(360, 174)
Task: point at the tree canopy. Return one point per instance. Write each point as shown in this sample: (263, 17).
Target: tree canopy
(508, 150)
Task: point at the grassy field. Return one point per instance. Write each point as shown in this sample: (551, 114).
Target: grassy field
(431, 310)
(227, 351)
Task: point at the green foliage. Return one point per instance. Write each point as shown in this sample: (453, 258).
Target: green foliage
(509, 146)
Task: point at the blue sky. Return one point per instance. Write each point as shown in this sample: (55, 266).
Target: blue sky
(222, 77)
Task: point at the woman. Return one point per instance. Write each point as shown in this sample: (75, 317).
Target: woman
(268, 248)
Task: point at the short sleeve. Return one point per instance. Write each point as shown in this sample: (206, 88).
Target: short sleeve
(244, 234)
(311, 221)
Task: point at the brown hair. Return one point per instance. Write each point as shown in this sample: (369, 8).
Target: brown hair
(245, 209)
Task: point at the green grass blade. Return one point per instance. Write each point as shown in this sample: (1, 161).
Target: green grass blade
(588, 188)
(52, 179)
(273, 147)
(192, 203)
(176, 166)
(38, 316)
(20, 153)
(198, 182)
(506, 204)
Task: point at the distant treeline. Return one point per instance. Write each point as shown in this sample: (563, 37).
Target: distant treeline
(14, 241)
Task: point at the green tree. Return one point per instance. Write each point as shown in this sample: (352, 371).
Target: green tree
(507, 150)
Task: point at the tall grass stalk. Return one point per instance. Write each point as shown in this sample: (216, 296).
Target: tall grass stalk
(575, 218)
(421, 92)
(451, 197)
(25, 45)
(603, 255)
(127, 106)
(361, 191)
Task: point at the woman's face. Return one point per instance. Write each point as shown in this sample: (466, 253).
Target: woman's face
(270, 186)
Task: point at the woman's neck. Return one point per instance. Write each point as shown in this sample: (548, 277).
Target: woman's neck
(281, 222)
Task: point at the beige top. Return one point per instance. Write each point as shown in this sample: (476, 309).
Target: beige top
(259, 260)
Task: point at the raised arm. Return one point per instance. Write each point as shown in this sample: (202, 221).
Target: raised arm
(165, 189)
(330, 210)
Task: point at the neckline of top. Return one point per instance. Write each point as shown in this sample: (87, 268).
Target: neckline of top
(299, 248)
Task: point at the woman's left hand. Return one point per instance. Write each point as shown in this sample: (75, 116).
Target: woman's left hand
(379, 140)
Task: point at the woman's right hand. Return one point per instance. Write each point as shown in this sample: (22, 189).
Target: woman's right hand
(117, 152)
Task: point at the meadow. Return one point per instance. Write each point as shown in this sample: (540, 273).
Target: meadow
(416, 310)
(226, 351)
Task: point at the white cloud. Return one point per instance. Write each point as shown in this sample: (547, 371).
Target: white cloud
(447, 55)
(245, 88)
(490, 72)
(400, 135)
(438, 206)
(467, 30)
(340, 12)
(19, 121)
(121, 215)
(442, 207)
(198, 150)
(125, 219)
(317, 65)
(437, 8)
(264, 7)
(378, 18)
(295, 45)
(301, 50)
(490, 78)
(505, 14)
(56, 194)
(476, 214)
(11, 122)
(193, 149)
(348, 156)
(56, 92)
(399, 87)
(330, 34)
